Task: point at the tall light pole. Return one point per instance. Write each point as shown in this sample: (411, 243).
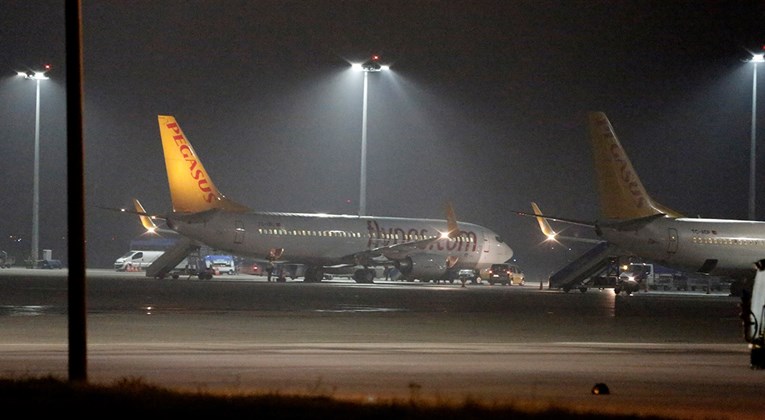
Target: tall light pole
(35, 253)
(756, 58)
(372, 65)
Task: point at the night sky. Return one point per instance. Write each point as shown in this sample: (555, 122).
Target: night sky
(485, 106)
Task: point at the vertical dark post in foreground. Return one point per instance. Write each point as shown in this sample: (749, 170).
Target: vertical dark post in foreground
(78, 369)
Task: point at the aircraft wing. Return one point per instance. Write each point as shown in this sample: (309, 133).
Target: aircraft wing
(586, 223)
(548, 231)
(146, 220)
(388, 253)
(141, 214)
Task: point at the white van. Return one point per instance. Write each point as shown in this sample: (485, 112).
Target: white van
(136, 260)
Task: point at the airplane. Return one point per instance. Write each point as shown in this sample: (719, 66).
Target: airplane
(163, 269)
(634, 222)
(424, 249)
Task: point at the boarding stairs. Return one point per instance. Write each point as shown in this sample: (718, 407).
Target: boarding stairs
(593, 262)
(173, 256)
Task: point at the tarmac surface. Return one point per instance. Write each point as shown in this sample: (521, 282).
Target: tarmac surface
(680, 355)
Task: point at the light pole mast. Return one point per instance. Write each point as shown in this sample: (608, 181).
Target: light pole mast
(757, 58)
(363, 182)
(34, 254)
(370, 66)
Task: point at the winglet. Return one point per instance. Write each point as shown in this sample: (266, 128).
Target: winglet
(145, 219)
(622, 195)
(191, 188)
(451, 221)
(544, 225)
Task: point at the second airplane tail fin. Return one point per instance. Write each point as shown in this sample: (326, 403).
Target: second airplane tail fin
(622, 195)
(191, 189)
(451, 221)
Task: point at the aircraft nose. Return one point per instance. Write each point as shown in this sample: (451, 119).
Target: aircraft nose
(508, 251)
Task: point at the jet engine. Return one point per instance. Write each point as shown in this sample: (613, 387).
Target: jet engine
(424, 267)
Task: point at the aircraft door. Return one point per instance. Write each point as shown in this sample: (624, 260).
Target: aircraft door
(238, 232)
(672, 240)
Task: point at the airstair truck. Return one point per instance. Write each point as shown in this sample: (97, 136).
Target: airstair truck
(753, 317)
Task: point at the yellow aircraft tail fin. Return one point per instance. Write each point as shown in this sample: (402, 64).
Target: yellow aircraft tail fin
(622, 195)
(191, 188)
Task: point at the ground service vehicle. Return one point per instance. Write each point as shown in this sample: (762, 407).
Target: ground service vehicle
(221, 264)
(499, 273)
(467, 274)
(517, 277)
(509, 274)
(50, 264)
(6, 261)
(136, 260)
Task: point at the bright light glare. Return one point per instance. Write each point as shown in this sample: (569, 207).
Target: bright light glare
(38, 75)
(551, 237)
(360, 67)
(758, 58)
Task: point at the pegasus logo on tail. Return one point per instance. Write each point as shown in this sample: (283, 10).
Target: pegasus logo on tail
(195, 169)
(191, 188)
(622, 195)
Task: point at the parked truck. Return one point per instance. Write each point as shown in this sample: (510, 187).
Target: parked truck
(655, 277)
(221, 264)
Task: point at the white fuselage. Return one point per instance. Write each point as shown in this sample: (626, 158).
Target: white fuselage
(713, 246)
(327, 240)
